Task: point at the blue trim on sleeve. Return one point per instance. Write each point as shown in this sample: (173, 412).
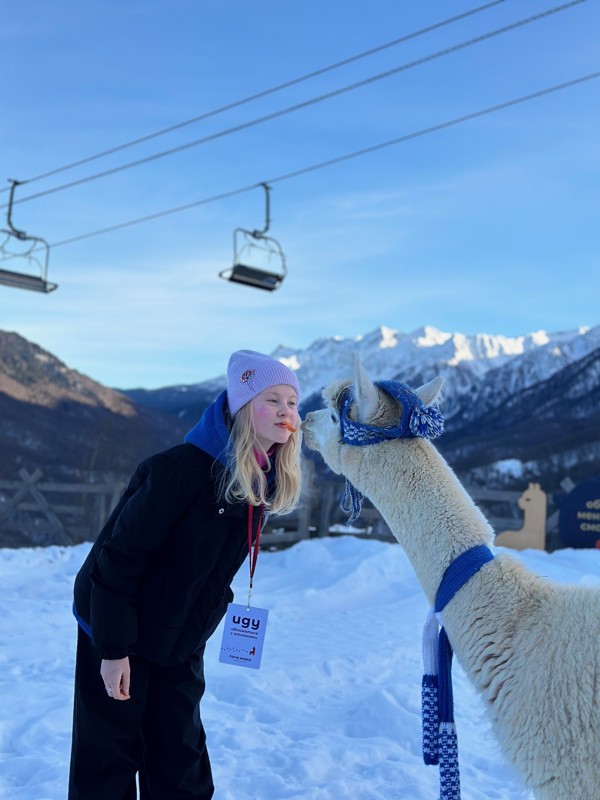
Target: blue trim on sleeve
(82, 623)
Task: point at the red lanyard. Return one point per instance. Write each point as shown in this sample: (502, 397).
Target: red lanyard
(253, 549)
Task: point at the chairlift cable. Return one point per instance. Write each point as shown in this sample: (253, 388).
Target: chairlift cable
(307, 103)
(339, 159)
(264, 93)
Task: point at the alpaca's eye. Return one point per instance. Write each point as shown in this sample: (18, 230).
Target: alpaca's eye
(334, 416)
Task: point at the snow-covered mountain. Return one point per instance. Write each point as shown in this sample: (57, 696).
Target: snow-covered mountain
(534, 399)
(464, 360)
(481, 368)
(518, 399)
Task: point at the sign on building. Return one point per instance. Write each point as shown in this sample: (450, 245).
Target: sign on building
(579, 517)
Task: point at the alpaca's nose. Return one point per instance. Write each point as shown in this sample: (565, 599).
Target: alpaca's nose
(307, 420)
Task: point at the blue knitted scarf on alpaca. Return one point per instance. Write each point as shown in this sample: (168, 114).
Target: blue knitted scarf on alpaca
(440, 744)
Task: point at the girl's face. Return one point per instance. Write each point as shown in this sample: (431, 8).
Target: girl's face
(274, 412)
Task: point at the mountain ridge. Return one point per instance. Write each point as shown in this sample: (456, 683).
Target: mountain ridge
(462, 359)
(483, 374)
(55, 419)
(502, 399)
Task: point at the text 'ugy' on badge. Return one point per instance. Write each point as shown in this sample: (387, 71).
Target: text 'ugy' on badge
(243, 636)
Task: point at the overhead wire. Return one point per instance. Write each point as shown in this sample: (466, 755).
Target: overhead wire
(337, 160)
(307, 103)
(263, 93)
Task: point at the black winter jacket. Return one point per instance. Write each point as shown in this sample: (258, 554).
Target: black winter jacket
(157, 580)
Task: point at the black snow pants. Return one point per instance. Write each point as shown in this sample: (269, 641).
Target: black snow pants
(157, 733)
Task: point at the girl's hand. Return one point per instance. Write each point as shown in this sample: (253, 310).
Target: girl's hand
(116, 675)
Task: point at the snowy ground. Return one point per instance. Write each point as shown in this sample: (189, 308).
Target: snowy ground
(332, 714)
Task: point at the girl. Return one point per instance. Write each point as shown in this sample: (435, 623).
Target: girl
(156, 584)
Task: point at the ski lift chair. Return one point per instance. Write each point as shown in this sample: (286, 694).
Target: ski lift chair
(258, 259)
(36, 252)
(25, 280)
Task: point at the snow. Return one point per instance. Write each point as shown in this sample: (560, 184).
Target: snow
(432, 337)
(389, 338)
(511, 467)
(332, 714)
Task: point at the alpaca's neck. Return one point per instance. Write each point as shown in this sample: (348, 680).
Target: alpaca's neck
(424, 504)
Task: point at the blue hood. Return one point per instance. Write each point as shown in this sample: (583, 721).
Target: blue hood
(211, 433)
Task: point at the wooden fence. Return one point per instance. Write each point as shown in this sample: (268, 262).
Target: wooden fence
(500, 508)
(34, 512)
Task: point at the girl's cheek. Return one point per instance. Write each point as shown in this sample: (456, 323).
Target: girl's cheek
(263, 411)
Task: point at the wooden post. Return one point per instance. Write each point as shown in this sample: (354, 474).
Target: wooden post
(11, 505)
(326, 506)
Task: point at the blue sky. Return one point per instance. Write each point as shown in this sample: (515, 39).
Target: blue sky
(486, 226)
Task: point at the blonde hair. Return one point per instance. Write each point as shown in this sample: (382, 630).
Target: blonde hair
(246, 481)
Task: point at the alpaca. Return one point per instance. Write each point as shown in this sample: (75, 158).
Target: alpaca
(530, 647)
(533, 503)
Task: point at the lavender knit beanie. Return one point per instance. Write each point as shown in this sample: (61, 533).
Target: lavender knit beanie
(249, 373)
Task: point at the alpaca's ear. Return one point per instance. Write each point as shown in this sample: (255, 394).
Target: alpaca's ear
(365, 392)
(430, 392)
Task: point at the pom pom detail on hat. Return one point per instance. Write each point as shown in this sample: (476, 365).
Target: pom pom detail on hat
(249, 373)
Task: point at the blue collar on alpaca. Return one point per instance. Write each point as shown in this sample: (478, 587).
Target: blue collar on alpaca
(459, 572)
(440, 744)
(417, 420)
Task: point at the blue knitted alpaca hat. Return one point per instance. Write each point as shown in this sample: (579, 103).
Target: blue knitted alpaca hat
(417, 420)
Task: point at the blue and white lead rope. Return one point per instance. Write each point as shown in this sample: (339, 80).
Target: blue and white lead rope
(440, 744)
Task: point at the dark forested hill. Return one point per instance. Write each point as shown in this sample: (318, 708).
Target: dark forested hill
(55, 419)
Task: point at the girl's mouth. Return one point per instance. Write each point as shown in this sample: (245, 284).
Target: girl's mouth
(288, 426)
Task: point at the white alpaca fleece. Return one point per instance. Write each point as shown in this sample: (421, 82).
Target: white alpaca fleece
(531, 647)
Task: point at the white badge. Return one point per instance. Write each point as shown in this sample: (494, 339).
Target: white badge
(243, 636)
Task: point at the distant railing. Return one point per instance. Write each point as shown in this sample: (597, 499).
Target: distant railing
(40, 513)
(34, 512)
(499, 506)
